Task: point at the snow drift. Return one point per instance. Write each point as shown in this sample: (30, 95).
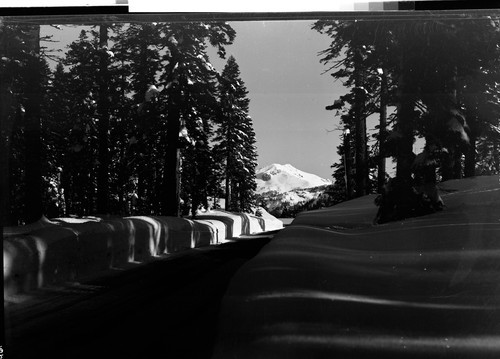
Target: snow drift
(334, 285)
(52, 252)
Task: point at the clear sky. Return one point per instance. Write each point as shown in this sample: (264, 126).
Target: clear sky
(280, 66)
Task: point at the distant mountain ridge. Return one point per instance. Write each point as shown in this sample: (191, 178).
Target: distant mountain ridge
(284, 187)
(285, 178)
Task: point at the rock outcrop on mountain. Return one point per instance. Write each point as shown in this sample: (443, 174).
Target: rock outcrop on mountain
(283, 189)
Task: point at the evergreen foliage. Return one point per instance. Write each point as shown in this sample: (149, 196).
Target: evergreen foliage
(104, 115)
(235, 140)
(134, 117)
(23, 82)
(190, 92)
(441, 77)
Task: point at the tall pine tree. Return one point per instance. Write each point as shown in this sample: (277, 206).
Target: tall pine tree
(235, 139)
(435, 80)
(185, 64)
(13, 55)
(82, 160)
(140, 168)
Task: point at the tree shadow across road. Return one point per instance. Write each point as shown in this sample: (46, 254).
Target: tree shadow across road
(166, 308)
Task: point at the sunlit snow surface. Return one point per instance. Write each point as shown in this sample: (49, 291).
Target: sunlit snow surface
(285, 178)
(61, 250)
(332, 285)
(285, 185)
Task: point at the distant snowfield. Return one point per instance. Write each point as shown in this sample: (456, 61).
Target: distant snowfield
(332, 284)
(285, 178)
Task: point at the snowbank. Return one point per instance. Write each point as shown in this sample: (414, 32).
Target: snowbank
(271, 223)
(334, 286)
(237, 224)
(69, 249)
(359, 212)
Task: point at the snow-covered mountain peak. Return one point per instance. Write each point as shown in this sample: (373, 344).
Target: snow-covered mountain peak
(285, 178)
(276, 168)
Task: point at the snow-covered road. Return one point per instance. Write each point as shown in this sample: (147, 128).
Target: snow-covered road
(163, 309)
(333, 285)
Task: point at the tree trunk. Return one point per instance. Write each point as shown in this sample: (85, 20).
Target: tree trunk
(228, 197)
(360, 129)
(470, 158)
(6, 118)
(145, 184)
(89, 196)
(382, 133)
(229, 171)
(457, 164)
(399, 200)
(122, 181)
(103, 128)
(33, 167)
(6, 102)
(347, 166)
(141, 192)
(451, 163)
(457, 153)
(171, 176)
(404, 125)
(236, 197)
(470, 152)
(68, 192)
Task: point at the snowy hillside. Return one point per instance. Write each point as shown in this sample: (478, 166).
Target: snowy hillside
(284, 186)
(332, 285)
(277, 203)
(285, 178)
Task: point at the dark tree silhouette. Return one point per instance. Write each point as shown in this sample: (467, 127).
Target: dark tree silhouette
(235, 137)
(434, 67)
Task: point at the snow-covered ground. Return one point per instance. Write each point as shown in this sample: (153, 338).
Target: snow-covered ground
(332, 284)
(60, 250)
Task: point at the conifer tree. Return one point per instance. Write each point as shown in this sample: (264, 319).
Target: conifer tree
(247, 184)
(57, 126)
(82, 163)
(24, 75)
(186, 68)
(33, 209)
(235, 139)
(137, 48)
(429, 76)
(13, 58)
(353, 60)
(97, 100)
(198, 114)
(103, 112)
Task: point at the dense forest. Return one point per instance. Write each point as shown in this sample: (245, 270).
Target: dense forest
(133, 119)
(441, 75)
